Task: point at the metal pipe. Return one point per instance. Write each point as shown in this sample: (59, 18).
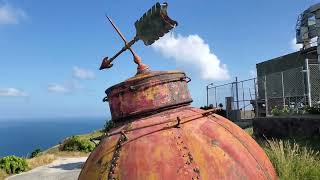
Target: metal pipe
(282, 83)
(256, 99)
(221, 85)
(207, 87)
(244, 103)
(237, 93)
(246, 80)
(308, 82)
(230, 83)
(215, 96)
(318, 49)
(266, 95)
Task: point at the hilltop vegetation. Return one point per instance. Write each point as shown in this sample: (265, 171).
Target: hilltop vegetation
(75, 146)
(294, 158)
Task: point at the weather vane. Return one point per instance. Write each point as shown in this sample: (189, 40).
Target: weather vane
(154, 24)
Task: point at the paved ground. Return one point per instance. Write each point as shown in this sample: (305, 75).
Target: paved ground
(62, 168)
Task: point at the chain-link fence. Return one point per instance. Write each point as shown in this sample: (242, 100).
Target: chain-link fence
(236, 97)
(314, 83)
(286, 88)
(294, 88)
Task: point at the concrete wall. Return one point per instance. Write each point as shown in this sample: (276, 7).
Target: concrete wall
(279, 127)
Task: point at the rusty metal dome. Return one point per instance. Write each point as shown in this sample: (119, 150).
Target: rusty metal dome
(159, 136)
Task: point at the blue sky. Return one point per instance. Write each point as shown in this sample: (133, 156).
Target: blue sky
(50, 51)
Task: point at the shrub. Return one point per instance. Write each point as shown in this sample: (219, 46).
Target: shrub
(292, 161)
(35, 153)
(313, 110)
(276, 111)
(13, 164)
(74, 143)
(206, 107)
(286, 111)
(108, 126)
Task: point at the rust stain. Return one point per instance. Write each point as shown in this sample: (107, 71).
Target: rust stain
(146, 93)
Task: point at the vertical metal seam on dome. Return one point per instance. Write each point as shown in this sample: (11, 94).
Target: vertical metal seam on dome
(196, 168)
(116, 154)
(243, 144)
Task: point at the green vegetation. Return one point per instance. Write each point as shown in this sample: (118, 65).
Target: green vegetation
(108, 126)
(206, 107)
(56, 150)
(75, 143)
(249, 131)
(293, 158)
(35, 153)
(287, 111)
(276, 111)
(293, 161)
(13, 164)
(313, 110)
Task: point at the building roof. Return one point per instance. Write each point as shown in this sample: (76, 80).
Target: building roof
(289, 61)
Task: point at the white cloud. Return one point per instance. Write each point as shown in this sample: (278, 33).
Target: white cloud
(294, 45)
(11, 15)
(82, 73)
(297, 47)
(57, 88)
(253, 73)
(12, 92)
(67, 87)
(193, 51)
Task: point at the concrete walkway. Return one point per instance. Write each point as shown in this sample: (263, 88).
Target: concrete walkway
(60, 169)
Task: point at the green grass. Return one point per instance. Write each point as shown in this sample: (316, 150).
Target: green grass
(55, 149)
(293, 161)
(293, 158)
(91, 135)
(249, 131)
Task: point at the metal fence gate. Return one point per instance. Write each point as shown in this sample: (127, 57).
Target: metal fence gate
(240, 95)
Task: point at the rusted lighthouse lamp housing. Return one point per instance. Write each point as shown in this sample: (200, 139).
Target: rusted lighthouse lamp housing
(159, 136)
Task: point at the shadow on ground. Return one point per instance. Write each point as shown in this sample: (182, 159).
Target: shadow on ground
(70, 166)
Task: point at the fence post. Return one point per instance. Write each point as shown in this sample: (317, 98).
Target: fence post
(308, 82)
(282, 84)
(243, 101)
(255, 97)
(266, 95)
(237, 93)
(215, 96)
(207, 87)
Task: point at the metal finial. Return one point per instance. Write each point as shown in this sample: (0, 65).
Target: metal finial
(149, 28)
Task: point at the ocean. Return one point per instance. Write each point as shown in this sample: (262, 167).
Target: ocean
(21, 137)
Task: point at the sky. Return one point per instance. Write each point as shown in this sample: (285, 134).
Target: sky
(50, 51)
